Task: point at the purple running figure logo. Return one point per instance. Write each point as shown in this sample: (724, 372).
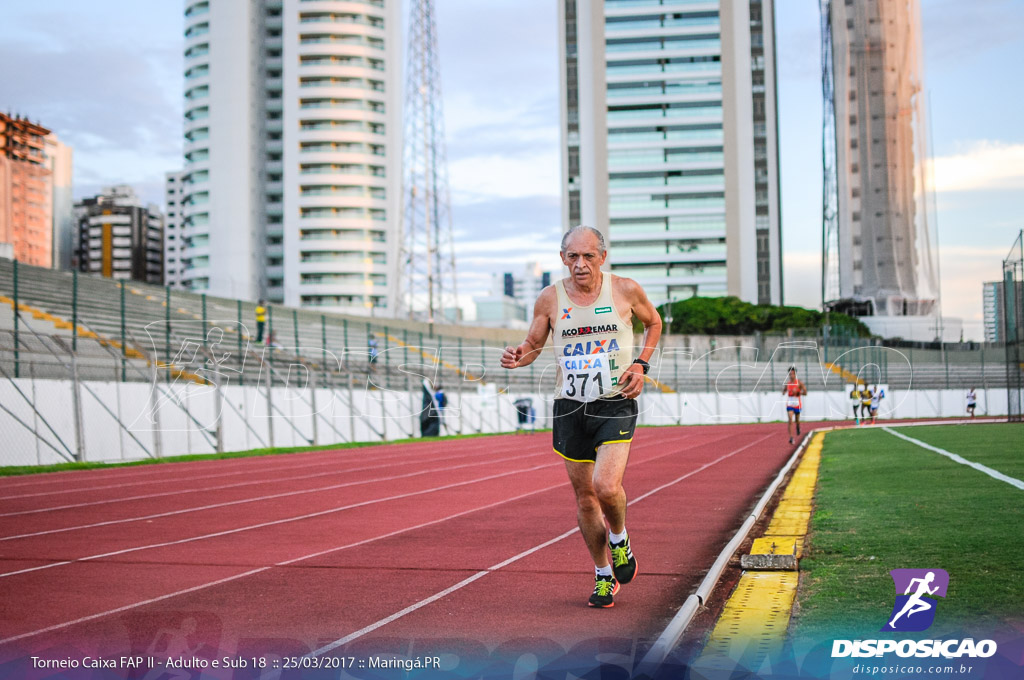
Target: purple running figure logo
(914, 609)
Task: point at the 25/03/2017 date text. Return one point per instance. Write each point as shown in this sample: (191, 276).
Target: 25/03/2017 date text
(337, 662)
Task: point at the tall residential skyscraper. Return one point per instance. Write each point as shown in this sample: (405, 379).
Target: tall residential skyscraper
(118, 237)
(994, 308)
(670, 143)
(293, 151)
(59, 161)
(174, 266)
(524, 287)
(879, 260)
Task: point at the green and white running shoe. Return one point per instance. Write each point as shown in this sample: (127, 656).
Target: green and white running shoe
(623, 562)
(605, 588)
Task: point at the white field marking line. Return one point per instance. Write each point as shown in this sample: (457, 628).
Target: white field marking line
(294, 560)
(285, 563)
(480, 574)
(167, 480)
(256, 499)
(995, 474)
(336, 471)
(262, 525)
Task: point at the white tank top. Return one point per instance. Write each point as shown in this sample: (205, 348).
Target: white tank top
(593, 345)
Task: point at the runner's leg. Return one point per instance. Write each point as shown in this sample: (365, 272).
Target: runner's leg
(588, 511)
(608, 473)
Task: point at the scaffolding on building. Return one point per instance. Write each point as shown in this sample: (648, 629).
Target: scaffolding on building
(829, 193)
(879, 256)
(1013, 328)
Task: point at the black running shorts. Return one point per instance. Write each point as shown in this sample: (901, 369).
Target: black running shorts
(579, 428)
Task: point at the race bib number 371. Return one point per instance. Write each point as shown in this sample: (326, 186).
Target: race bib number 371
(585, 378)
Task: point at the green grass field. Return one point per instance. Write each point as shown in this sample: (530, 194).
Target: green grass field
(884, 503)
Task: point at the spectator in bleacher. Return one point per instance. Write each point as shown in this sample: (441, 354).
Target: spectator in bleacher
(430, 416)
(371, 344)
(261, 319)
(442, 402)
(523, 407)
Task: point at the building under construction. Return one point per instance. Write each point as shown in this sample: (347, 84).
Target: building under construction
(878, 258)
(26, 191)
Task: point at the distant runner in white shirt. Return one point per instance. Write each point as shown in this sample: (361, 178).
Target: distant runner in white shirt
(876, 398)
(972, 401)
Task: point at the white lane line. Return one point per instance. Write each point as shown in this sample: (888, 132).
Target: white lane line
(526, 553)
(130, 472)
(256, 499)
(170, 480)
(161, 480)
(249, 463)
(258, 570)
(995, 474)
(111, 474)
(249, 500)
(251, 572)
(285, 520)
(338, 470)
(435, 597)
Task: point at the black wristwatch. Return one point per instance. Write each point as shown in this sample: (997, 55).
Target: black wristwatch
(643, 364)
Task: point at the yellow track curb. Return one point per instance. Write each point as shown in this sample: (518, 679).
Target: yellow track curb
(755, 619)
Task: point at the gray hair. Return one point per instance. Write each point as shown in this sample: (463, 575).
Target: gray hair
(580, 227)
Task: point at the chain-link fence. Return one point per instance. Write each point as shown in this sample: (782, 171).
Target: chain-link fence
(117, 355)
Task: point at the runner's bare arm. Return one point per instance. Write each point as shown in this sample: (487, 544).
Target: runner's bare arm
(803, 388)
(526, 353)
(640, 305)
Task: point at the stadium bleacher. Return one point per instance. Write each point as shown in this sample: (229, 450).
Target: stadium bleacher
(188, 334)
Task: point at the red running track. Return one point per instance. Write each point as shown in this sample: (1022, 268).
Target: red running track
(471, 542)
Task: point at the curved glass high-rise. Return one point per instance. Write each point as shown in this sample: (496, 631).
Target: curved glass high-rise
(670, 143)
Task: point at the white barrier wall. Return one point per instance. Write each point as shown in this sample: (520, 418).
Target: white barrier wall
(760, 407)
(183, 419)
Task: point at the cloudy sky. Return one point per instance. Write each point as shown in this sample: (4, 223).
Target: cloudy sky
(106, 75)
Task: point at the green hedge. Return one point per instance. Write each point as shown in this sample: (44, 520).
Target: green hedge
(732, 316)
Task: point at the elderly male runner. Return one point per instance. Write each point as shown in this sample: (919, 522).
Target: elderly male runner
(591, 315)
